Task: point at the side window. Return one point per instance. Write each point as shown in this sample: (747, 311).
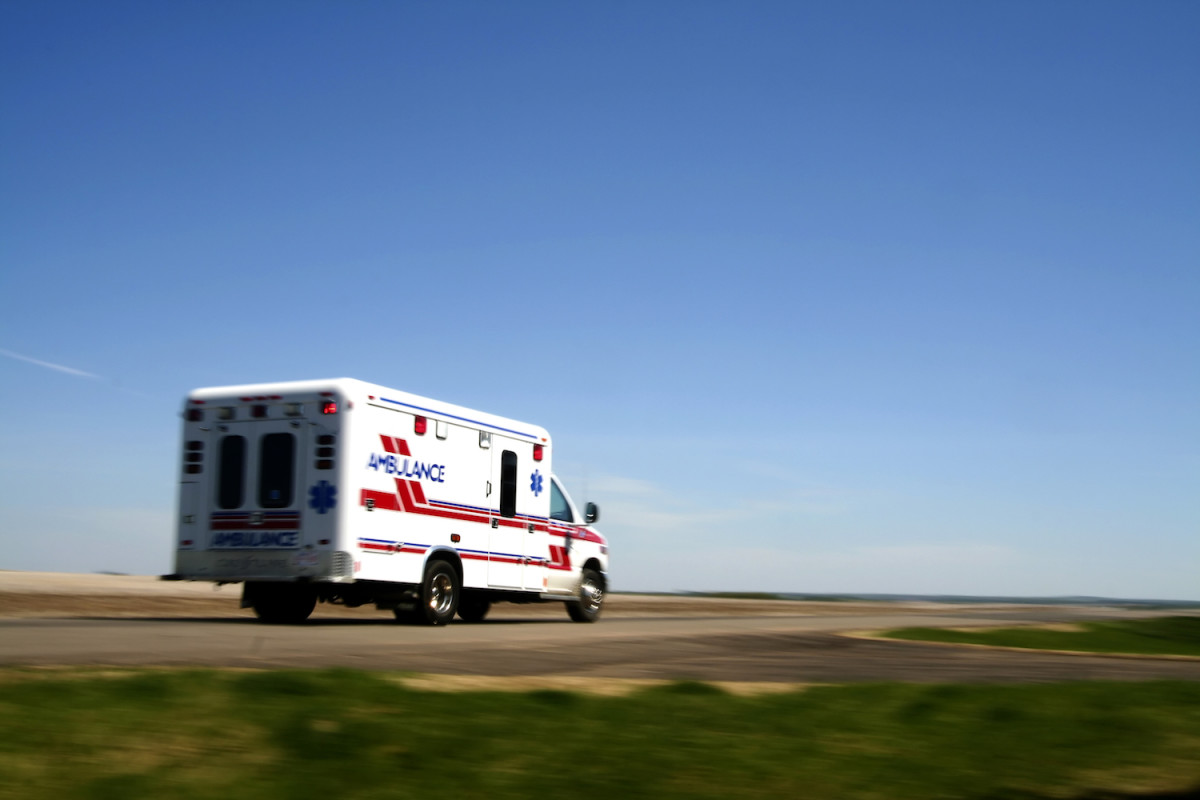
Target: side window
(231, 476)
(559, 509)
(508, 484)
(276, 464)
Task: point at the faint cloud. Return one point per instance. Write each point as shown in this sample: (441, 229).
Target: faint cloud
(49, 365)
(79, 373)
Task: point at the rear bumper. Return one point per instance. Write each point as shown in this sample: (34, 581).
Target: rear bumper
(267, 565)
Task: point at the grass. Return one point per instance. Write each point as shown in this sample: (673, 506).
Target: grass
(347, 734)
(1162, 636)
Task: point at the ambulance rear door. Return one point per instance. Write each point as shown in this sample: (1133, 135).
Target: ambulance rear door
(257, 489)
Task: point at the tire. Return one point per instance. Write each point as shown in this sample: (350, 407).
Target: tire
(473, 608)
(283, 604)
(440, 592)
(591, 598)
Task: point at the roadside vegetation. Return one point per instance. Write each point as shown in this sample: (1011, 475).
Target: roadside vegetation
(348, 734)
(1179, 636)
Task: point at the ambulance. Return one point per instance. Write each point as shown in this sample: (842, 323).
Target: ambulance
(340, 491)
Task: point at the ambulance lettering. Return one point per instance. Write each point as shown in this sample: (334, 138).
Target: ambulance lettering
(406, 468)
(251, 539)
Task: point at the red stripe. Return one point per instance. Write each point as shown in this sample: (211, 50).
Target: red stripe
(410, 497)
(383, 500)
(394, 445)
(404, 495)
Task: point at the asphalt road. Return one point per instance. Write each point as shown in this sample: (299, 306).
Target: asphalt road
(642, 638)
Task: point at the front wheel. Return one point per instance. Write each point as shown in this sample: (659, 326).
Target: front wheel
(440, 593)
(591, 598)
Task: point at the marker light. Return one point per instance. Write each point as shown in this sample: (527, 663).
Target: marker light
(419, 425)
(537, 452)
(329, 407)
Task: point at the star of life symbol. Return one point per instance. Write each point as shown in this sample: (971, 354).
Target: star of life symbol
(322, 496)
(535, 483)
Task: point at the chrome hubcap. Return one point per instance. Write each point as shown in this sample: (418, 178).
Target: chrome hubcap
(441, 596)
(592, 595)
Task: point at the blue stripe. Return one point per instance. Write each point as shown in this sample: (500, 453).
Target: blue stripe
(461, 419)
(493, 511)
(459, 505)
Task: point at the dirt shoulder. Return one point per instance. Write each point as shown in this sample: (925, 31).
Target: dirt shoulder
(57, 594)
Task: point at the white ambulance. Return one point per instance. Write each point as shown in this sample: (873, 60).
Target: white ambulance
(345, 492)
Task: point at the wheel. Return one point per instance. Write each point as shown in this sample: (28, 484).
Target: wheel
(440, 593)
(473, 608)
(591, 598)
(283, 604)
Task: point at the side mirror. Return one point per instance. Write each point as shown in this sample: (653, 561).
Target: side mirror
(592, 514)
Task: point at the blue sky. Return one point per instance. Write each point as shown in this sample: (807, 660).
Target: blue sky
(828, 297)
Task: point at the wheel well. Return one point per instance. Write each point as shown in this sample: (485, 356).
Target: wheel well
(594, 564)
(450, 557)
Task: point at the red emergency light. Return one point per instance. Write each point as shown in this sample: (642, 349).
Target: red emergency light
(329, 407)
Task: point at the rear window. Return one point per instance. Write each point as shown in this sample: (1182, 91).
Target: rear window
(231, 478)
(276, 465)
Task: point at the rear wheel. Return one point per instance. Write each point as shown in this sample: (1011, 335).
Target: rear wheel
(440, 593)
(284, 603)
(591, 598)
(473, 608)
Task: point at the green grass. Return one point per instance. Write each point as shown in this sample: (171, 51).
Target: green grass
(347, 735)
(1161, 636)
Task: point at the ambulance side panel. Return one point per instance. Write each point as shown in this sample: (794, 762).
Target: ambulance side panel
(445, 490)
